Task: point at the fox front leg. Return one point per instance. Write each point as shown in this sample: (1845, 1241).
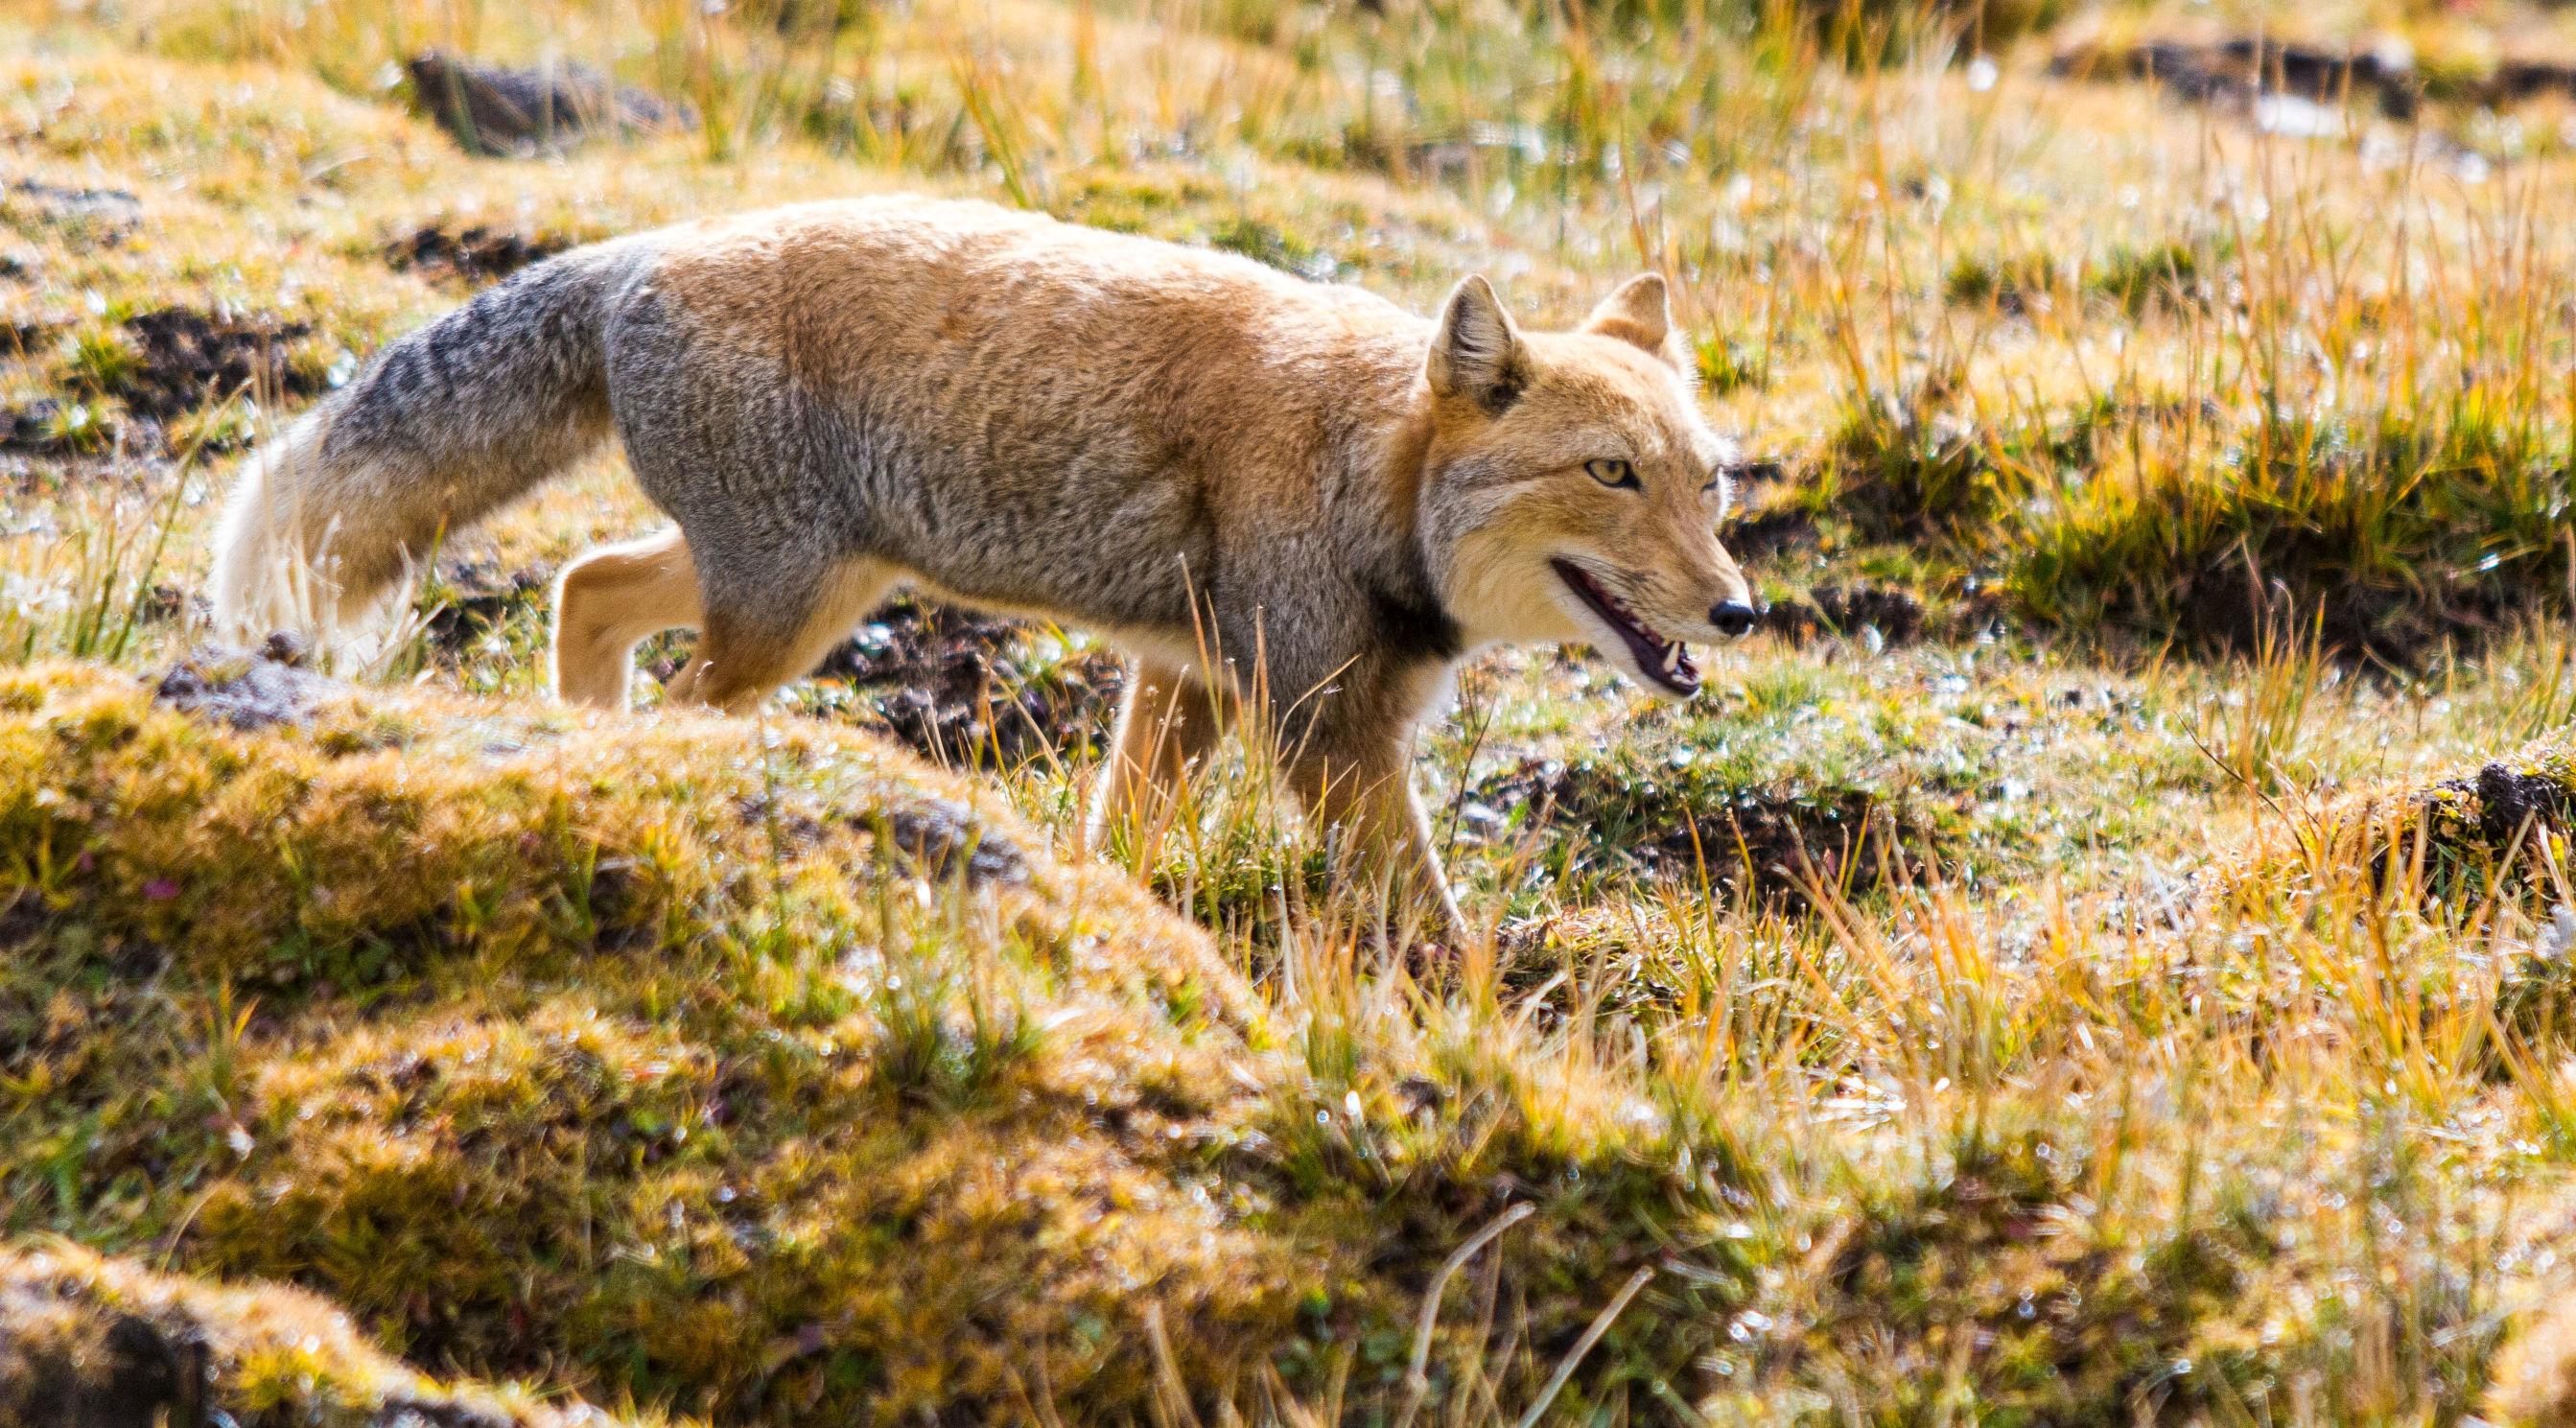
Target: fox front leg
(1168, 722)
(1362, 791)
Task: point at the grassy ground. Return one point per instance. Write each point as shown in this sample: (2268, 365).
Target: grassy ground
(2102, 956)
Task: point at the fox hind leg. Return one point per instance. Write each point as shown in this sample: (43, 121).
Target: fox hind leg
(749, 648)
(608, 601)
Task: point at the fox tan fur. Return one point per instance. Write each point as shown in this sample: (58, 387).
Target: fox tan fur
(1286, 500)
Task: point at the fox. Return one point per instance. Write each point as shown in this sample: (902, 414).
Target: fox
(1282, 500)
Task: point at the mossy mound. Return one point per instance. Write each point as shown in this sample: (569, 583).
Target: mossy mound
(756, 1072)
(89, 1342)
(756, 1075)
(2500, 829)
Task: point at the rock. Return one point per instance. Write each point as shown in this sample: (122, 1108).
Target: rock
(938, 833)
(520, 113)
(95, 216)
(247, 690)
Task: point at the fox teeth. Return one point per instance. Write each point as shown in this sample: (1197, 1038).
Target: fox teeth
(1672, 659)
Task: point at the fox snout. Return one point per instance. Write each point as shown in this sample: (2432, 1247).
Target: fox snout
(1735, 613)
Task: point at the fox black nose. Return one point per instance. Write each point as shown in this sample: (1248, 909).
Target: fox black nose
(1734, 619)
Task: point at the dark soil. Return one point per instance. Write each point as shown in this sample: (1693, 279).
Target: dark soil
(1764, 535)
(133, 1355)
(945, 840)
(520, 113)
(2224, 606)
(955, 687)
(475, 255)
(1760, 844)
(480, 598)
(938, 838)
(128, 1373)
(2479, 837)
(35, 429)
(2233, 73)
(1848, 609)
(2518, 80)
(248, 690)
(189, 359)
(2507, 804)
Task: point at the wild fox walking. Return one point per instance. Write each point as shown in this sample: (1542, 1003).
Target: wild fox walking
(1206, 461)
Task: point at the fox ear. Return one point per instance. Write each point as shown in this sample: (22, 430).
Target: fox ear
(1639, 312)
(1478, 352)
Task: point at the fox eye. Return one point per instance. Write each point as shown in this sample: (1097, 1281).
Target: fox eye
(1613, 471)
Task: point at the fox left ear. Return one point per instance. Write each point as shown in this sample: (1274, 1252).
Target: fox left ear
(1640, 312)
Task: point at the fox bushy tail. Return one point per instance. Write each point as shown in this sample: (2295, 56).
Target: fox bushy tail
(448, 424)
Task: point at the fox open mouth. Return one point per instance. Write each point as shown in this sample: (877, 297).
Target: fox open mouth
(1663, 661)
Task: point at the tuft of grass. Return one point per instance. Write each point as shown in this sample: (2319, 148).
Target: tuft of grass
(2255, 732)
(2176, 271)
(2390, 537)
(100, 362)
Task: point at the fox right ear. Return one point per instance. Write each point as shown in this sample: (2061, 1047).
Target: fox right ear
(1478, 353)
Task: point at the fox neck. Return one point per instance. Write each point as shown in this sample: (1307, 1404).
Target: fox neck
(1402, 573)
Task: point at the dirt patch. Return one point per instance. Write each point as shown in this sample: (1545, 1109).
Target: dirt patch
(48, 428)
(944, 839)
(2236, 73)
(479, 598)
(520, 113)
(1766, 845)
(2515, 81)
(960, 686)
(2229, 606)
(476, 256)
(1762, 535)
(248, 690)
(87, 1342)
(2472, 837)
(1896, 614)
(185, 359)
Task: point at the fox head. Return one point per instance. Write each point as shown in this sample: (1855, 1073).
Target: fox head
(1571, 489)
